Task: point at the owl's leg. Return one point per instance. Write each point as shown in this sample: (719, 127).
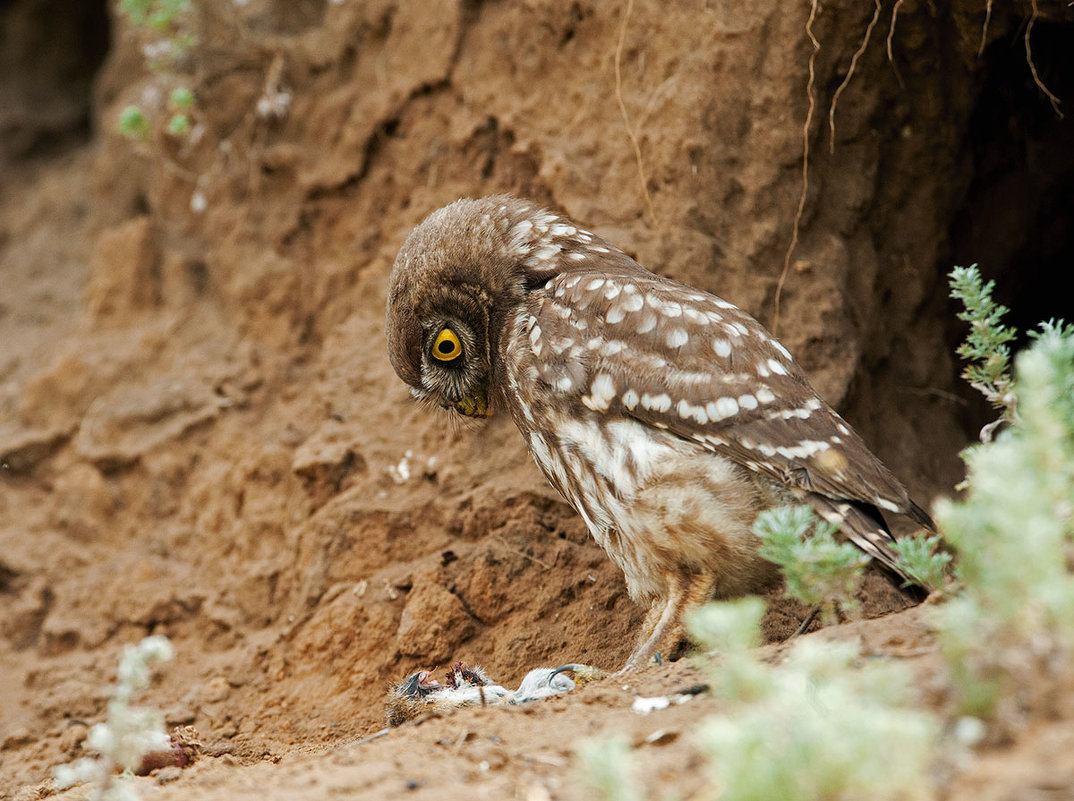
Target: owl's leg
(663, 628)
(650, 630)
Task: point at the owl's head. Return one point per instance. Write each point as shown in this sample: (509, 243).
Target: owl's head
(456, 280)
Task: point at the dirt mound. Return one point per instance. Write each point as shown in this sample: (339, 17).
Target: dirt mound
(200, 433)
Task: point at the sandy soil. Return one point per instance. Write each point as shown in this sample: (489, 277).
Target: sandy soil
(201, 436)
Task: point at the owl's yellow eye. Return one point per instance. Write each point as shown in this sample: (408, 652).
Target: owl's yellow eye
(447, 347)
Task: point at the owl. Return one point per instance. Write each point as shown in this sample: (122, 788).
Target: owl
(666, 416)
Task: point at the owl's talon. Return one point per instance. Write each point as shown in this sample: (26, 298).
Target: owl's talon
(573, 668)
(583, 674)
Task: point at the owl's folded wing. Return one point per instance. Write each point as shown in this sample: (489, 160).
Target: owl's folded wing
(631, 343)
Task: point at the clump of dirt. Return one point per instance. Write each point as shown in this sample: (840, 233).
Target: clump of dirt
(200, 433)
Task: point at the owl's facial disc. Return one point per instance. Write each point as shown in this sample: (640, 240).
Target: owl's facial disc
(451, 369)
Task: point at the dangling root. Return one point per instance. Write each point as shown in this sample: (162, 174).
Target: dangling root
(850, 74)
(626, 119)
(1033, 67)
(810, 95)
(984, 28)
(891, 37)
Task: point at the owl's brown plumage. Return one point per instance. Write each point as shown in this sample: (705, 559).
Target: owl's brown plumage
(668, 417)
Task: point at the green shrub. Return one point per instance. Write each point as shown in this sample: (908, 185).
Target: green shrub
(1010, 634)
(988, 368)
(159, 15)
(164, 28)
(811, 727)
(819, 571)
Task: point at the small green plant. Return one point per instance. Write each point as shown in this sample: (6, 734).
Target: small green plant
(607, 768)
(819, 571)
(180, 103)
(731, 630)
(164, 27)
(129, 732)
(922, 560)
(986, 347)
(157, 14)
(181, 99)
(132, 123)
(824, 723)
(1009, 636)
(179, 125)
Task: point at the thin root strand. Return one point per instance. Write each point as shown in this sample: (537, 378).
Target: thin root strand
(810, 95)
(850, 74)
(984, 28)
(891, 38)
(1033, 67)
(623, 111)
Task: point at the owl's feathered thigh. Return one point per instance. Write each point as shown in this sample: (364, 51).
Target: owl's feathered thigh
(668, 417)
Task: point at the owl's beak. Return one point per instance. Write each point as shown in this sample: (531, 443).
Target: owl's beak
(475, 405)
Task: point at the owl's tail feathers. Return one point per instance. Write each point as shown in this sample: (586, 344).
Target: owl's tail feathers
(921, 517)
(863, 525)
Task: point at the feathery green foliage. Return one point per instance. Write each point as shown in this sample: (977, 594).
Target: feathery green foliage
(165, 28)
(1009, 636)
(731, 630)
(607, 769)
(922, 560)
(132, 123)
(819, 571)
(985, 348)
(809, 727)
(157, 14)
(181, 99)
(179, 125)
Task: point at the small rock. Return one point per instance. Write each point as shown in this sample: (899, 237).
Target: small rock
(72, 737)
(121, 426)
(434, 622)
(17, 739)
(168, 774)
(217, 689)
(22, 449)
(661, 737)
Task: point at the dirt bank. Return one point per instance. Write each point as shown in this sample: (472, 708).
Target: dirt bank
(200, 433)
